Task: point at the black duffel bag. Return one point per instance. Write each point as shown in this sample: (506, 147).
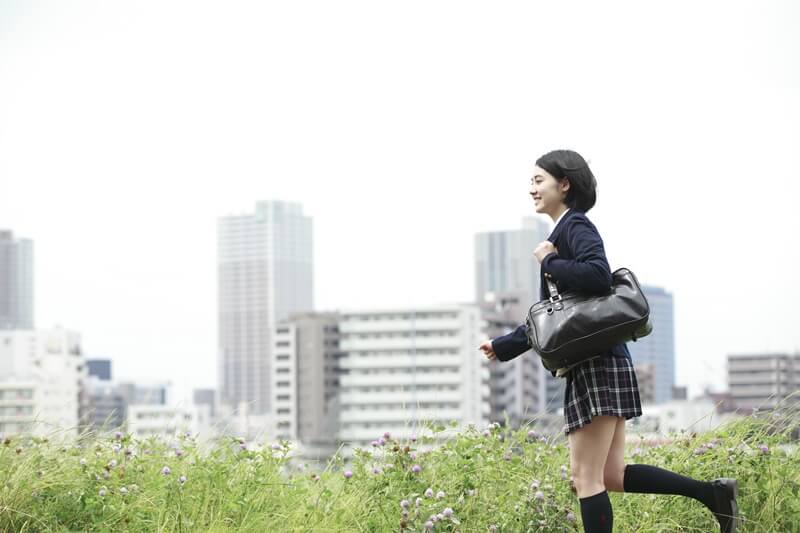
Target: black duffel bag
(569, 328)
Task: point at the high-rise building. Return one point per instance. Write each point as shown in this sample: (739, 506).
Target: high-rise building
(762, 380)
(265, 272)
(507, 284)
(658, 348)
(406, 367)
(206, 397)
(504, 261)
(16, 282)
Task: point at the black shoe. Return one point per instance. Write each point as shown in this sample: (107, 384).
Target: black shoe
(725, 508)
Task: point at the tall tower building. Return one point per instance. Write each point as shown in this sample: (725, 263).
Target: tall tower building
(506, 285)
(655, 354)
(16, 282)
(504, 261)
(265, 272)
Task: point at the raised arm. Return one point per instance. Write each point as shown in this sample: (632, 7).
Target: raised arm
(589, 271)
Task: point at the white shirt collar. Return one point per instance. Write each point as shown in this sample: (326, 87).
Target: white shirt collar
(562, 216)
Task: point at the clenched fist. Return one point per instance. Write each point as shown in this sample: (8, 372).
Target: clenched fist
(486, 348)
(544, 249)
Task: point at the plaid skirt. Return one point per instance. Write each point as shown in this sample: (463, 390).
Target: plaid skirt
(604, 385)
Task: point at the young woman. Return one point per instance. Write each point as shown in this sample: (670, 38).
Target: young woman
(601, 393)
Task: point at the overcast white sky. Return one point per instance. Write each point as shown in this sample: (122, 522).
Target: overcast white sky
(127, 128)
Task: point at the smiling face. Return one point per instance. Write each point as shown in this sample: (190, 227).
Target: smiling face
(548, 193)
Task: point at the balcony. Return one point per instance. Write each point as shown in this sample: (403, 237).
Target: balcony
(432, 378)
(407, 397)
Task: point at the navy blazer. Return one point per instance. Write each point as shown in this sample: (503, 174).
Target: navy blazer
(579, 265)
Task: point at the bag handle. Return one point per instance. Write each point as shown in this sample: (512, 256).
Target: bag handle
(553, 289)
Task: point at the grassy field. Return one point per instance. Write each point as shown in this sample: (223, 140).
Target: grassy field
(477, 480)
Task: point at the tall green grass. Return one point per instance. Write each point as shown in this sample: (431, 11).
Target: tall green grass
(494, 479)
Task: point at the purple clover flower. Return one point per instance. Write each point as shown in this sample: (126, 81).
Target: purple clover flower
(166, 471)
(348, 474)
(429, 492)
(416, 469)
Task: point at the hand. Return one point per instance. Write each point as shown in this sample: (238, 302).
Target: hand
(544, 249)
(486, 348)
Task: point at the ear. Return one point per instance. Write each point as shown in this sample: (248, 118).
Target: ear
(564, 185)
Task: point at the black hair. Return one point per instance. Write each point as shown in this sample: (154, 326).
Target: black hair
(569, 165)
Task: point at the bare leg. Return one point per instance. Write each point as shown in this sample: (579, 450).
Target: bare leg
(614, 472)
(589, 448)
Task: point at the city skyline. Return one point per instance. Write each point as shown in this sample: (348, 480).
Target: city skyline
(401, 150)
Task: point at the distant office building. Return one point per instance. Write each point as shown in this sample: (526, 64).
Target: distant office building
(16, 282)
(42, 377)
(403, 367)
(518, 387)
(166, 422)
(506, 285)
(658, 348)
(762, 380)
(265, 272)
(306, 381)
(206, 397)
(646, 379)
(99, 368)
(676, 416)
(504, 261)
(680, 393)
(109, 401)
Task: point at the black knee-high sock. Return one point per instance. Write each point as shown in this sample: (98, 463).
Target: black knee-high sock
(597, 514)
(653, 480)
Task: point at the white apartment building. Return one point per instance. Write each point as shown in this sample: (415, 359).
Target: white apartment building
(762, 380)
(401, 367)
(42, 376)
(18, 407)
(145, 421)
(284, 383)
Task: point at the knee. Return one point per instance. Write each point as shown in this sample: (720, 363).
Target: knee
(613, 477)
(587, 480)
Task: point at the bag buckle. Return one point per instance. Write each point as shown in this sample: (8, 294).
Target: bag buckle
(556, 298)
